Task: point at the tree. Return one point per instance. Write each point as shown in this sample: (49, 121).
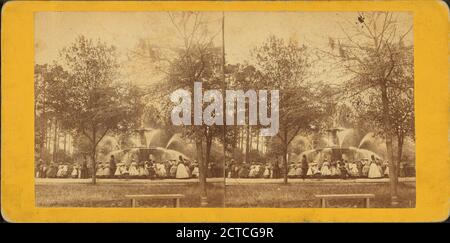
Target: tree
(196, 59)
(49, 84)
(379, 65)
(91, 101)
(284, 65)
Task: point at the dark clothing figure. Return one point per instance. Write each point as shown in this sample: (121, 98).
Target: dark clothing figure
(84, 170)
(112, 166)
(344, 171)
(276, 170)
(304, 167)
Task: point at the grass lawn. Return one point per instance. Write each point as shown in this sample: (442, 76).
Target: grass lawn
(295, 195)
(112, 195)
(302, 195)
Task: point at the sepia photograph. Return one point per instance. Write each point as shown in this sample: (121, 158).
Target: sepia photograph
(224, 109)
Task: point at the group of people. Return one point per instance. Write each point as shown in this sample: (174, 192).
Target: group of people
(183, 169)
(366, 168)
(150, 169)
(62, 170)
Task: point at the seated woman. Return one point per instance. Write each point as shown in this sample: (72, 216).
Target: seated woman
(325, 170)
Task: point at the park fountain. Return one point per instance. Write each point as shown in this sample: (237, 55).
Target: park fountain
(148, 144)
(336, 150)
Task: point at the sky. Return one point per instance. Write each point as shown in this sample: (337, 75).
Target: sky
(243, 31)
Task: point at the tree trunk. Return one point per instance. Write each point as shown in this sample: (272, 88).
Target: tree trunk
(235, 140)
(390, 157)
(285, 165)
(208, 150)
(49, 134)
(257, 140)
(202, 173)
(55, 139)
(93, 155)
(400, 139)
(247, 143)
(65, 145)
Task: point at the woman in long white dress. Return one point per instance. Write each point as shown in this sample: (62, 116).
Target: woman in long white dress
(325, 170)
(374, 171)
(133, 170)
(119, 170)
(182, 172)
